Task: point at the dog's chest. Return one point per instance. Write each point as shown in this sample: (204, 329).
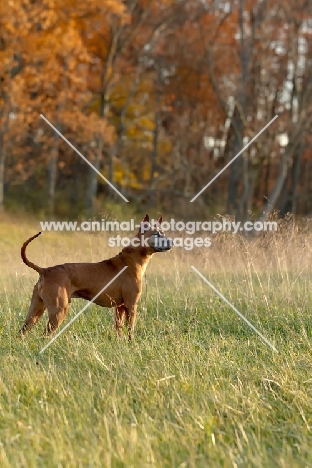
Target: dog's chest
(106, 299)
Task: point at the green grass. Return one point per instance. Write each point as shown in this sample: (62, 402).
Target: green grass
(197, 387)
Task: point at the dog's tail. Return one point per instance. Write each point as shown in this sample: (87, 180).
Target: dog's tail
(25, 259)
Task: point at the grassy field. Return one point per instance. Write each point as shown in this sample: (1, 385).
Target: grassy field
(197, 387)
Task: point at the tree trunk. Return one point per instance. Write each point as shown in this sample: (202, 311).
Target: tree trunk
(242, 205)
(53, 162)
(276, 191)
(236, 166)
(111, 170)
(252, 185)
(154, 154)
(52, 174)
(295, 177)
(288, 202)
(93, 180)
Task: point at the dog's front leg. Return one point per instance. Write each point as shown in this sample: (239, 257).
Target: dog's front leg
(120, 319)
(131, 312)
(131, 299)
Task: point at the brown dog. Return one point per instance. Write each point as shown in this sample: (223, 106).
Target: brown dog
(59, 283)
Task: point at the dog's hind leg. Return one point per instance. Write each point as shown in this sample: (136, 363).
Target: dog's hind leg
(57, 305)
(36, 309)
(120, 315)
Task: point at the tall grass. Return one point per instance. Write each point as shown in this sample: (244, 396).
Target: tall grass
(197, 387)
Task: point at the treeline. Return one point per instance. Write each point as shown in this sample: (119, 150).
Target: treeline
(158, 95)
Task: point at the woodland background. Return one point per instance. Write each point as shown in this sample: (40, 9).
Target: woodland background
(159, 95)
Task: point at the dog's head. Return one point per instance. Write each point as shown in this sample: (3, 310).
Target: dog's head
(153, 237)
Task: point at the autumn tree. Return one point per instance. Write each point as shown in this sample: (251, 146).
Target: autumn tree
(158, 96)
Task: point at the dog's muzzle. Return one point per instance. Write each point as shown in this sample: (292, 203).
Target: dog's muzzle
(161, 244)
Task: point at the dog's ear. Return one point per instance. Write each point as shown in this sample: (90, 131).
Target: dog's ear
(160, 220)
(145, 224)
